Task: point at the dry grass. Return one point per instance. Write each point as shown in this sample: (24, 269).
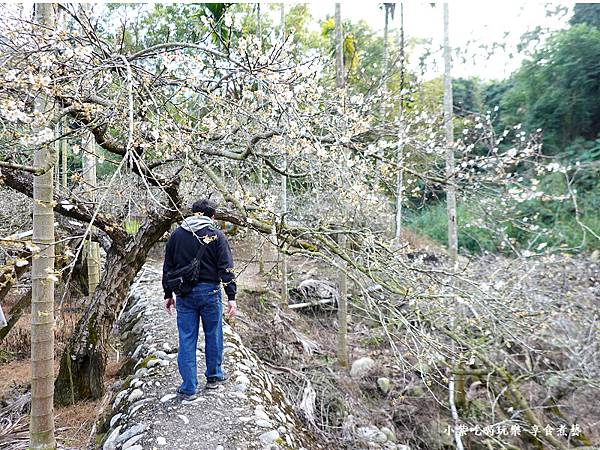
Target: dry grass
(14, 374)
(77, 422)
(417, 241)
(74, 424)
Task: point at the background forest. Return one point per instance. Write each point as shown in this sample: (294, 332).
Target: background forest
(417, 253)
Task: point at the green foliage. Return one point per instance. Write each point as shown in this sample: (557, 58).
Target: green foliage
(466, 93)
(131, 225)
(221, 32)
(351, 56)
(555, 221)
(557, 89)
(432, 221)
(298, 25)
(588, 13)
(583, 150)
(147, 26)
(175, 22)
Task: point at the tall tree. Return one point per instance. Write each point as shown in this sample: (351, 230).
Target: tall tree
(451, 206)
(400, 155)
(92, 249)
(261, 249)
(449, 131)
(339, 49)
(342, 341)
(284, 202)
(64, 153)
(41, 426)
(588, 13)
(389, 13)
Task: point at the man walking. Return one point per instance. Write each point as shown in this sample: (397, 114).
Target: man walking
(204, 301)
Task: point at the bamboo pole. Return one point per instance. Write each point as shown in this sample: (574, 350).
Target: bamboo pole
(449, 129)
(284, 201)
(92, 249)
(261, 248)
(342, 341)
(41, 426)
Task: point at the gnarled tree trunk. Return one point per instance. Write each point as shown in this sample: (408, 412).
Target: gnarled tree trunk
(83, 362)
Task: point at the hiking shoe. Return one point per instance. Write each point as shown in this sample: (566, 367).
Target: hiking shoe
(187, 397)
(213, 382)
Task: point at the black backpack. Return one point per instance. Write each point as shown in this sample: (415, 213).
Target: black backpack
(182, 280)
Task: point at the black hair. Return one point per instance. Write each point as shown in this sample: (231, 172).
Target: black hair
(205, 206)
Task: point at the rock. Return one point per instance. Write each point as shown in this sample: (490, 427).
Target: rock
(404, 447)
(167, 397)
(167, 347)
(269, 437)
(595, 256)
(140, 373)
(260, 413)
(184, 419)
(136, 447)
(115, 419)
(219, 447)
(391, 436)
(413, 390)
(111, 441)
(160, 354)
(193, 402)
(371, 434)
(241, 383)
(361, 367)
(137, 351)
(130, 442)
(119, 398)
(136, 394)
(136, 429)
(264, 423)
(384, 384)
(152, 363)
(161, 440)
(313, 290)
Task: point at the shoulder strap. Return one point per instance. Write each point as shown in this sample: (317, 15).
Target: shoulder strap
(202, 244)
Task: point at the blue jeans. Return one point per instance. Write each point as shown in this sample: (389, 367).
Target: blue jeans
(203, 303)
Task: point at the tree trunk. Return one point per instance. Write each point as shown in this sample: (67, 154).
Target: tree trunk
(83, 362)
(64, 146)
(57, 145)
(41, 426)
(259, 241)
(457, 390)
(342, 341)
(339, 49)
(450, 190)
(92, 249)
(342, 345)
(400, 155)
(284, 265)
(384, 63)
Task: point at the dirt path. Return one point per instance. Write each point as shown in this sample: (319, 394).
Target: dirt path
(246, 412)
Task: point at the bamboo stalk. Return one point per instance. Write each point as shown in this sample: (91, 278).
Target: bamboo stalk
(41, 427)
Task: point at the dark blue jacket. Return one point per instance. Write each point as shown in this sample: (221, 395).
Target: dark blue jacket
(216, 265)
